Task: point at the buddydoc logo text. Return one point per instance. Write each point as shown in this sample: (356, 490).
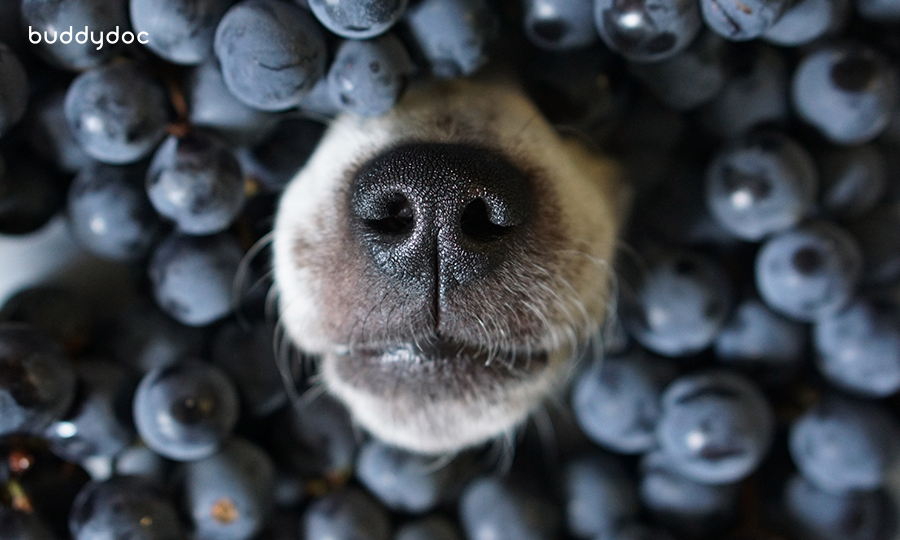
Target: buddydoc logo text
(81, 37)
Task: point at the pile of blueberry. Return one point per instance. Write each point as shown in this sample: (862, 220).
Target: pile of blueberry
(748, 388)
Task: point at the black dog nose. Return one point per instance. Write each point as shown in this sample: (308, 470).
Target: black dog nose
(440, 214)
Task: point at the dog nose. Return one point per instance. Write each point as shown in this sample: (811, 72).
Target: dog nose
(440, 214)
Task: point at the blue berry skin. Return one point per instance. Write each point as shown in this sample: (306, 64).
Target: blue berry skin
(21, 526)
(693, 509)
(139, 460)
(806, 21)
(275, 160)
(212, 105)
(13, 89)
(808, 272)
(689, 79)
(617, 400)
(185, 412)
(55, 17)
(65, 316)
(117, 113)
(409, 482)
(37, 380)
(358, 19)
(814, 514)
(196, 181)
(679, 305)
(854, 179)
(193, 277)
(716, 426)
(229, 495)
(847, 91)
(109, 214)
(246, 353)
(30, 195)
(755, 93)
(858, 349)
(493, 508)
(598, 496)
(453, 35)
(761, 341)
(559, 25)
(271, 53)
(50, 137)
(367, 77)
(98, 425)
(429, 528)
(124, 508)
(144, 338)
(738, 20)
(638, 532)
(760, 184)
(878, 11)
(180, 31)
(842, 444)
(349, 513)
(647, 30)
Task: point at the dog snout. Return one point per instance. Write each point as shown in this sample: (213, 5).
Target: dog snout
(440, 216)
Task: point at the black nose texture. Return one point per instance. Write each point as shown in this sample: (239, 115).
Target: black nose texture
(440, 215)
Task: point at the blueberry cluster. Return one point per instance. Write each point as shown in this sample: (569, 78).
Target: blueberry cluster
(745, 386)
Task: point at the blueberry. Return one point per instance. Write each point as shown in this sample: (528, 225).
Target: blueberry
(854, 179)
(761, 183)
(841, 444)
(367, 77)
(30, 194)
(617, 400)
(559, 24)
(229, 495)
(196, 182)
(144, 338)
(22, 526)
(820, 515)
(758, 339)
(878, 235)
(810, 271)
(755, 92)
(275, 159)
(124, 508)
(429, 528)
(37, 381)
(99, 423)
(50, 137)
(742, 20)
(878, 11)
(271, 53)
(847, 91)
(409, 482)
(716, 426)
(140, 460)
(185, 412)
(494, 508)
(358, 19)
(13, 89)
(807, 20)
(181, 31)
(453, 35)
(679, 305)
(859, 348)
(56, 25)
(639, 532)
(689, 79)
(193, 277)
(117, 112)
(684, 505)
(598, 496)
(109, 213)
(247, 353)
(647, 30)
(349, 513)
(212, 105)
(62, 314)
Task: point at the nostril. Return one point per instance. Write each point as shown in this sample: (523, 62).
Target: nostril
(476, 223)
(397, 217)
